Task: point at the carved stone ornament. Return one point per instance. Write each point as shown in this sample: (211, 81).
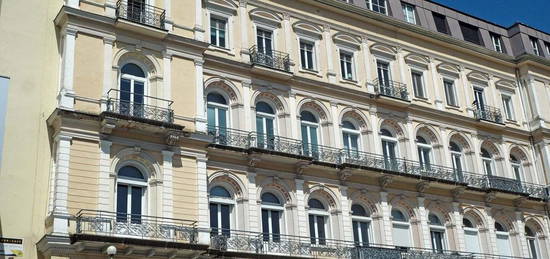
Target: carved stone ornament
(173, 137)
(457, 192)
(344, 174)
(300, 166)
(385, 180)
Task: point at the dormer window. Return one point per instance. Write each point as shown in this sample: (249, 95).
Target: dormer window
(497, 43)
(470, 33)
(379, 6)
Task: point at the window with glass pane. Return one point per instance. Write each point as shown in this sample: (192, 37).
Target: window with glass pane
(383, 69)
(216, 112)
(456, 159)
(503, 240)
(132, 90)
(470, 236)
(487, 160)
(547, 45)
(409, 12)
(378, 6)
(307, 55)
(424, 150)
(470, 33)
(516, 168)
(264, 41)
(418, 84)
(497, 43)
(309, 127)
(218, 28)
(265, 117)
(346, 65)
(350, 137)
(440, 23)
(361, 225)
(508, 107)
(450, 93)
(535, 46)
(401, 232)
(388, 149)
(220, 221)
(130, 192)
(532, 243)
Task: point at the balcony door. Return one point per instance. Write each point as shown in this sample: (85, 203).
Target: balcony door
(272, 211)
(264, 41)
(136, 10)
(479, 98)
(437, 233)
(384, 76)
(424, 152)
(309, 128)
(132, 90)
(318, 222)
(350, 138)
(221, 204)
(361, 225)
(456, 159)
(389, 143)
(217, 114)
(265, 125)
(130, 193)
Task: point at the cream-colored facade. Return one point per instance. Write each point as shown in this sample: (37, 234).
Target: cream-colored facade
(310, 128)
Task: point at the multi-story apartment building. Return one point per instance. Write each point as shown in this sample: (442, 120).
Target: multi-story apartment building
(261, 128)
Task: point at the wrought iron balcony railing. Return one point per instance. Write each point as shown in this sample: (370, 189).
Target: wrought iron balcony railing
(139, 106)
(343, 157)
(391, 89)
(488, 113)
(139, 12)
(270, 58)
(105, 223)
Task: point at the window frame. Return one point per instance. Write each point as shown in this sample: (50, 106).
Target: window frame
(326, 220)
(226, 21)
(454, 92)
(221, 15)
(441, 229)
(370, 6)
(218, 106)
(465, 27)
(313, 42)
(131, 183)
(407, 223)
(535, 45)
(421, 149)
(133, 79)
(268, 28)
(408, 10)
(273, 207)
(356, 132)
(422, 83)
(508, 106)
(351, 53)
(498, 45)
(368, 220)
(445, 23)
(219, 201)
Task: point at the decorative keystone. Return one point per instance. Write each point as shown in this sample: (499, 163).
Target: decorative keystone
(173, 137)
(385, 180)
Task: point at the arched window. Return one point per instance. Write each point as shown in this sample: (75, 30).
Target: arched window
(272, 211)
(487, 160)
(532, 243)
(456, 159)
(217, 112)
(265, 125)
(350, 137)
(131, 186)
(401, 229)
(389, 149)
(424, 152)
(361, 225)
(309, 127)
(132, 90)
(517, 168)
(318, 222)
(471, 237)
(221, 205)
(503, 240)
(437, 233)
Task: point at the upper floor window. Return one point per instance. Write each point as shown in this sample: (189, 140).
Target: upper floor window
(418, 84)
(346, 65)
(487, 160)
(508, 107)
(456, 158)
(361, 225)
(470, 33)
(424, 152)
(307, 54)
(384, 75)
(132, 90)
(532, 243)
(309, 127)
(264, 40)
(217, 114)
(437, 233)
(441, 23)
(450, 92)
(318, 222)
(503, 240)
(350, 136)
(389, 148)
(401, 229)
(547, 46)
(265, 125)
(497, 43)
(272, 210)
(516, 168)
(471, 238)
(218, 32)
(221, 205)
(378, 6)
(535, 46)
(130, 193)
(409, 12)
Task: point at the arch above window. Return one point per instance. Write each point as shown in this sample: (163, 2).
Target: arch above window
(434, 220)
(397, 215)
(348, 125)
(454, 147)
(132, 69)
(499, 227)
(308, 116)
(358, 210)
(421, 139)
(219, 192)
(270, 198)
(130, 172)
(467, 223)
(485, 153)
(265, 108)
(315, 204)
(216, 98)
(529, 232)
(385, 132)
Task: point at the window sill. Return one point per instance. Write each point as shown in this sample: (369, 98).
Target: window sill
(311, 72)
(512, 121)
(222, 50)
(455, 108)
(350, 82)
(421, 99)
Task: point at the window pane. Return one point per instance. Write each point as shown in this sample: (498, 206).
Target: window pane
(136, 204)
(222, 118)
(265, 224)
(364, 232)
(276, 230)
(132, 69)
(130, 172)
(470, 33)
(214, 218)
(125, 89)
(321, 230)
(356, 233)
(122, 202)
(312, 229)
(440, 23)
(226, 225)
(211, 117)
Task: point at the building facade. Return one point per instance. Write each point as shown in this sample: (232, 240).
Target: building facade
(260, 128)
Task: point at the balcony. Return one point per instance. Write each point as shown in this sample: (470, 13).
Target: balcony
(141, 13)
(391, 89)
(244, 141)
(139, 107)
(111, 224)
(270, 58)
(488, 113)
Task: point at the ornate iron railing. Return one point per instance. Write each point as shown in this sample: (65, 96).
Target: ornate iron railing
(270, 58)
(139, 12)
(344, 157)
(105, 223)
(488, 113)
(391, 89)
(139, 106)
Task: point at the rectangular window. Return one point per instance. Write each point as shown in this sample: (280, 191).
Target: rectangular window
(409, 12)
(264, 41)
(418, 84)
(497, 43)
(383, 69)
(440, 23)
(470, 33)
(450, 93)
(307, 55)
(218, 32)
(535, 46)
(346, 65)
(508, 107)
(378, 6)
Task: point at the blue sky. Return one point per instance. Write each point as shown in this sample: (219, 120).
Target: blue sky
(534, 13)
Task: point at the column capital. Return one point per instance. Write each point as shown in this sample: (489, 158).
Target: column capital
(109, 39)
(70, 30)
(243, 3)
(198, 62)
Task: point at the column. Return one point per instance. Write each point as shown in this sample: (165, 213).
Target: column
(168, 23)
(438, 100)
(61, 187)
(167, 184)
(375, 134)
(425, 229)
(301, 203)
(445, 159)
(66, 100)
(331, 74)
(490, 232)
(243, 14)
(293, 115)
(73, 3)
(106, 183)
(167, 76)
(468, 91)
(401, 63)
(366, 58)
(253, 203)
(107, 69)
(200, 118)
(347, 229)
(247, 106)
(202, 196)
(520, 226)
(199, 30)
(413, 155)
(287, 28)
(335, 125)
(545, 154)
(386, 221)
(458, 231)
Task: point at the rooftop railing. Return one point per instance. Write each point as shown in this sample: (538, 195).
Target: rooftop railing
(139, 106)
(488, 113)
(106, 223)
(270, 58)
(344, 157)
(139, 12)
(391, 89)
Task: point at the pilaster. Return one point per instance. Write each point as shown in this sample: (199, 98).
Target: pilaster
(301, 203)
(347, 229)
(335, 125)
(247, 106)
(61, 187)
(253, 204)
(107, 68)
(66, 99)
(293, 115)
(243, 14)
(167, 76)
(331, 74)
(426, 240)
(167, 184)
(438, 99)
(386, 221)
(202, 196)
(200, 119)
(105, 180)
